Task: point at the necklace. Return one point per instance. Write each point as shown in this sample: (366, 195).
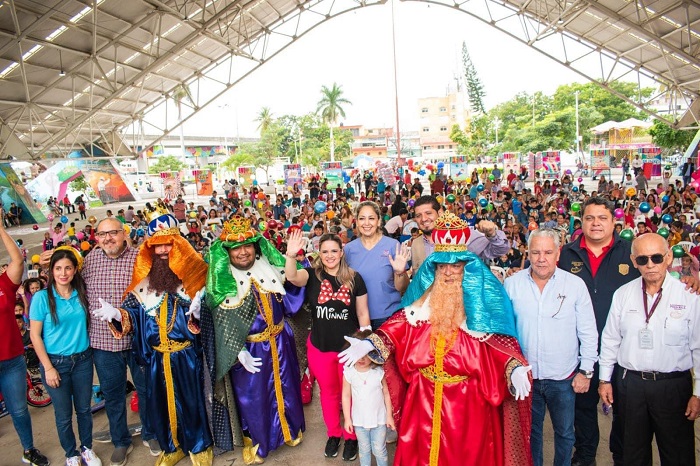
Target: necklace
(364, 379)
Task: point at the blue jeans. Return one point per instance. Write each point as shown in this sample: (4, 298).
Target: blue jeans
(74, 389)
(372, 441)
(13, 385)
(558, 396)
(111, 371)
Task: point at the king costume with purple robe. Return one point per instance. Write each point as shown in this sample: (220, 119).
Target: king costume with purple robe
(245, 311)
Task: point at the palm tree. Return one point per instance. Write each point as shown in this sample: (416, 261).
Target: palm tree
(264, 119)
(329, 108)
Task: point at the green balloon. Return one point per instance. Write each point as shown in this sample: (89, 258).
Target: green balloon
(491, 177)
(675, 275)
(678, 251)
(575, 207)
(451, 198)
(664, 232)
(627, 234)
(247, 203)
(489, 207)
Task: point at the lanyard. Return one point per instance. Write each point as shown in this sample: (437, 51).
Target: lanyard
(648, 313)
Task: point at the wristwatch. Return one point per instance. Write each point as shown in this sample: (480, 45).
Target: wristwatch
(586, 374)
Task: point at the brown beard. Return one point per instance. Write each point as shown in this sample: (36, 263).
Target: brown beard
(446, 308)
(162, 278)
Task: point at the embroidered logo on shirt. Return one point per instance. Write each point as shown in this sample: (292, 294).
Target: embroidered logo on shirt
(624, 269)
(576, 266)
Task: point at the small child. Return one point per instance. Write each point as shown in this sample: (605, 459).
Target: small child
(367, 408)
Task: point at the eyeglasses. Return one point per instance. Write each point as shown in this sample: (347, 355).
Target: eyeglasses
(111, 233)
(655, 258)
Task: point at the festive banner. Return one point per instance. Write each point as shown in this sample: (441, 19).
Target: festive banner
(292, 174)
(600, 162)
(551, 164)
(205, 185)
(333, 172)
(459, 167)
(651, 161)
(171, 185)
(511, 161)
(246, 175)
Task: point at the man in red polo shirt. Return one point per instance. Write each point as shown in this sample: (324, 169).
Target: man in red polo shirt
(13, 368)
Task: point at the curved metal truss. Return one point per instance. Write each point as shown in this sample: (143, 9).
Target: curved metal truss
(74, 74)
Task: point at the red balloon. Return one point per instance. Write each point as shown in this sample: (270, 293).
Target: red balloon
(469, 205)
(272, 224)
(280, 225)
(35, 227)
(268, 214)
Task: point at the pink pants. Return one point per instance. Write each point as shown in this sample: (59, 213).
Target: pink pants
(329, 374)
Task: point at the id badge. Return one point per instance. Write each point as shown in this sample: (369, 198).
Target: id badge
(646, 339)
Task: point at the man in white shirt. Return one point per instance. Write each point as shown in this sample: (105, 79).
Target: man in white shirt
(653, 335)
(553, 313)
(395, 224)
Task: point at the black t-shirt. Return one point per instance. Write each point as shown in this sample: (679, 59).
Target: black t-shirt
(331, 317)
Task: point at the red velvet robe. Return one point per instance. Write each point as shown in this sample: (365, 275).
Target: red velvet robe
(480, 422)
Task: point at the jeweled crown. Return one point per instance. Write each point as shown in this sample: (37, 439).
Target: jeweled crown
(157, 211)
(237, 229)
(161, 222)
(451, 233)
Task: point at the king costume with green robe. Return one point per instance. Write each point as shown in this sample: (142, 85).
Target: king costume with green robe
(246, 310)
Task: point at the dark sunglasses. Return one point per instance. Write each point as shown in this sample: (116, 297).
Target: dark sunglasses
(655, 258)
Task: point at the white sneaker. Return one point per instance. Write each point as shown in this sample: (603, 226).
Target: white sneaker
(89, 457)
(73, 461)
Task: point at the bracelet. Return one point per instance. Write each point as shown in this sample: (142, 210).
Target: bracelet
(603, 382)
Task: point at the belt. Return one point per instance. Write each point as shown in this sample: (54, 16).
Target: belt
(270, 332)
(654, 375)
(431, 373)
(171, 346)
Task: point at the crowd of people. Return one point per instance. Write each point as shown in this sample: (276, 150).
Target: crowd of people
(449, 322)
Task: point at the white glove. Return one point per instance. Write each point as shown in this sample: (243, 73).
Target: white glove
(196, 305)
(521, 382)
(358, 349)
(250, 363)
(107, 312)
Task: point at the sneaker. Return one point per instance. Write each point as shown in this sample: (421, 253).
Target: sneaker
(89, 457)
(332, 446)
(73, 461)
(119, 455)
(35, 458)
(350, 450)
(152, 445)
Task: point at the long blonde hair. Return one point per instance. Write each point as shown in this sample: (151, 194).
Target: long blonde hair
(345, 275)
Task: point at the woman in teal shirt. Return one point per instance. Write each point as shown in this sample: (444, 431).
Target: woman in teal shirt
(59, 331)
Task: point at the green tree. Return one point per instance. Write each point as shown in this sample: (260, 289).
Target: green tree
(330, 108)
(79, 184)
(475, 88)
(669, 138)
(243, 157)
(166, 163)
(264, 119)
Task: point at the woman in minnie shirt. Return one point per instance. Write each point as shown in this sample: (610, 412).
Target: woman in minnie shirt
(337, 297)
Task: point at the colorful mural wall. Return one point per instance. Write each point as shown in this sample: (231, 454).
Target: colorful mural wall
(12, 190)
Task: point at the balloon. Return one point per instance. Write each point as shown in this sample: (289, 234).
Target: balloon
(627, 234)
(50, 217)
(421, 172)
(644, 207)
(260, 204)
(451, 197)
(483, 202)
(667, 167)
(261, 196)
(667, 218)
(262, 226)
(92, 220)
(193, 214)
(440, 165)
(36, 258)
(580, 180)
(35, 227)
(492, 178)
(480, 187)
(678, 251)
(663, 232)
(575, 207)
(630, 192)
(272, 224)
(439, 199)
(127, 229)
(411, 202)
(568, 171)
(80, 235)
(489, 207)
(695, 185)
(320, 207)
(657, 210)
(268, 214)
(469, 206)
(665, 198)
(280, 225)
(675, 275)
(561, 209)
(619, 213)
(85, 246)
(330, 214)
(247, 203)
(64, 219)
(575, 189)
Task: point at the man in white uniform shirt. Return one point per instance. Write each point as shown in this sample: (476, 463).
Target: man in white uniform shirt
(653, 335)
(553, 313)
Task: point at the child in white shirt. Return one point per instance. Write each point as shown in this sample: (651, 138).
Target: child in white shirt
(367, 408)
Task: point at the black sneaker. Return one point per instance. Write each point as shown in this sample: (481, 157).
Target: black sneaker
(350, 450)
(35, 458)
(332, 446)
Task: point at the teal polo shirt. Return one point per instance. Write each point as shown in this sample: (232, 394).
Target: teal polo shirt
(70, 334)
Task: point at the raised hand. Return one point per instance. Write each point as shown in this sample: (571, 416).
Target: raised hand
(401, 258)
(295, 241)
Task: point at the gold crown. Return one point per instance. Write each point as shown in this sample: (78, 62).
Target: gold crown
(237, 229)
(157, 211)
(450, 233)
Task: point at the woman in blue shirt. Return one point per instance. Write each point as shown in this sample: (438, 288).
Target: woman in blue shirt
(380, 260)
(59, 331)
